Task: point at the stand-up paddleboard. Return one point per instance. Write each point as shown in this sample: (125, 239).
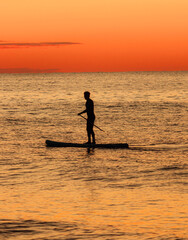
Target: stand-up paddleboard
(80, 145)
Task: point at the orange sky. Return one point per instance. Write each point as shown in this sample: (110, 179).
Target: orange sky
(93, 35)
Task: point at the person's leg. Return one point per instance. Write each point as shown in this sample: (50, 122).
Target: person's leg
(89, 137)
(89, 131)
(93, 137)
(93, 134)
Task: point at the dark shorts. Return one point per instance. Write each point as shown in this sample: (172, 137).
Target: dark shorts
(90, 124)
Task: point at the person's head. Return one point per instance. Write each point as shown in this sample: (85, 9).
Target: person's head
(86, 95)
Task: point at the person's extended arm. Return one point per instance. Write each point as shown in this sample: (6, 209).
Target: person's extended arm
(82, 112)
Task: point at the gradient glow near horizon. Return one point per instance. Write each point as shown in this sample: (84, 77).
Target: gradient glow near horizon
(93, 36)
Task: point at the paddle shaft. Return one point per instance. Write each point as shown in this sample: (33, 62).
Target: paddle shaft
(93, 124)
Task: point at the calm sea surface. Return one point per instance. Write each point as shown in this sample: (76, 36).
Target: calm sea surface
(70, 193)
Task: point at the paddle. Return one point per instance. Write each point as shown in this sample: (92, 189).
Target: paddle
(94, 124)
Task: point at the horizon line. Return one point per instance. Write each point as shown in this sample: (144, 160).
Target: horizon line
(50, 71)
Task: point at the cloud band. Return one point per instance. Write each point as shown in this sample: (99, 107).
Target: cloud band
(39, 44)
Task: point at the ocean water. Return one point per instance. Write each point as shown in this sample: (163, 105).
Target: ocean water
(105, 194)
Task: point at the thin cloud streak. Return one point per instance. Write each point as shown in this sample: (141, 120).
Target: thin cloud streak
(39, 44)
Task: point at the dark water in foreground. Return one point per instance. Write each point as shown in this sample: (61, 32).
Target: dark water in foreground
(70, 193)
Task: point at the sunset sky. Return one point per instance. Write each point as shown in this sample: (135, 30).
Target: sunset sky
(93, 35)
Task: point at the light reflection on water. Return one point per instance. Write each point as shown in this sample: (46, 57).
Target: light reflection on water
(136, 193)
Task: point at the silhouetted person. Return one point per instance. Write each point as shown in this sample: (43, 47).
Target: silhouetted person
(90, 117)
